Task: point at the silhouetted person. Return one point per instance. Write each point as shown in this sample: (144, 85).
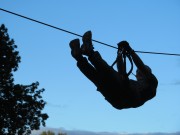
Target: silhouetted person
(121, 92)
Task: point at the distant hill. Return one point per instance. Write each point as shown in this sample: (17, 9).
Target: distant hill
(81, 132)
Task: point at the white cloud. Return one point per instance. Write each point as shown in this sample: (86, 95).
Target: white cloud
(176, 83)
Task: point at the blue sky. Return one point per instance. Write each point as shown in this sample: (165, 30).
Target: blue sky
(72, 100)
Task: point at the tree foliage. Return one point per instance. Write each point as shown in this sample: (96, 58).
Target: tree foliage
(47, 133)
(20, 105)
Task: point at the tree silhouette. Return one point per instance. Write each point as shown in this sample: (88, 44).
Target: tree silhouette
(47, 133)
(20, 105)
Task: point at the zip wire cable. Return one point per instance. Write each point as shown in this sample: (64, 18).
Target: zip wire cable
(80, 35)
(53, 27)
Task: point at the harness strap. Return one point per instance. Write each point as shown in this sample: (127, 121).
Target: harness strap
(130, 59)
(125, 54)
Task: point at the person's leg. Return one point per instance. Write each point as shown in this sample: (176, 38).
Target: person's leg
(93, 56)
(99, 63)
(86, 68)
(102, 75)
(110, 83)
(89, 71)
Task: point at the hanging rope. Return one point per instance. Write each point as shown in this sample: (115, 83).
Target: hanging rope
(78, 34)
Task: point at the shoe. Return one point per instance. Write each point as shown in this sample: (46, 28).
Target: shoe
(75, 48)
(87, 47)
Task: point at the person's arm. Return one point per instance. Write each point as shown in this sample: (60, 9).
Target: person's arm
(136, 59)
(139, 63)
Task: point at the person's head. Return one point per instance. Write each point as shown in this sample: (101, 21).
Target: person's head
(139, 74)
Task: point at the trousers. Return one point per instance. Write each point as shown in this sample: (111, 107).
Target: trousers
(107, 80)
